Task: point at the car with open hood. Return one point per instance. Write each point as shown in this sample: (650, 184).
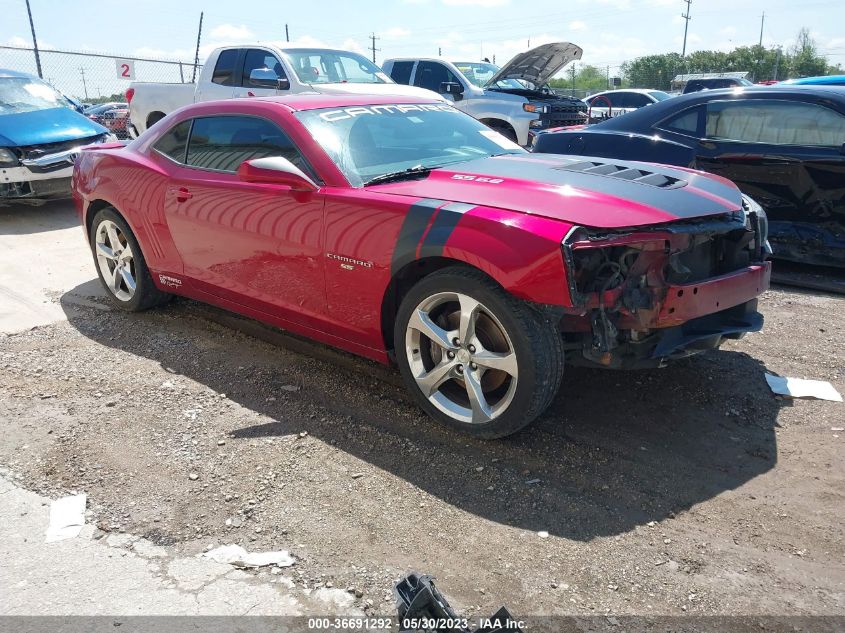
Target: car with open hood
(40, 136)
(515, 99)
(408, 232)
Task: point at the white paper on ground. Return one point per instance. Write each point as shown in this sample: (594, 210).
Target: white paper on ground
(239, 557)
(67, 516)
(800, 388)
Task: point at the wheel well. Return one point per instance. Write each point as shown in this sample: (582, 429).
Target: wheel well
(153, 118)
(402, 282)
(499, 124)
(93, 208)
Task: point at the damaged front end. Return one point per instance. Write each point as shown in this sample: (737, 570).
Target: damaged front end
(643, 296)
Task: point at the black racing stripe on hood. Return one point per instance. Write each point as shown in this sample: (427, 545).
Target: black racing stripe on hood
(679, 201)
(413, 228)
(445, 221)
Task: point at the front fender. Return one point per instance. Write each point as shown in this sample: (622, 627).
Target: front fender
(521, 252)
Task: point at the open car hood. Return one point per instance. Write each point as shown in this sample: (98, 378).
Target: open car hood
(539, 64)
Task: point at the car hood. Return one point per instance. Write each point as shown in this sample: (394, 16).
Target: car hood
(592, 192)
(377, 89)
(53, 125)
(539, 64)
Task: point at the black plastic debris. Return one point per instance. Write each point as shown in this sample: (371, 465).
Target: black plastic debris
(423, 608)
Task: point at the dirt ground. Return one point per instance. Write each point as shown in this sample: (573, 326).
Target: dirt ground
(684, 490)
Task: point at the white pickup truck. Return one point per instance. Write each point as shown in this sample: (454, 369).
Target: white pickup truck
(513, 100)
(259, 71)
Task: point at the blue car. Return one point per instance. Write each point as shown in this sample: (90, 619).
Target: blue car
(40, 137)
(828, 80)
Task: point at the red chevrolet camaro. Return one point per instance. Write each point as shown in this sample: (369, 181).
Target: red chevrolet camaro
(408, 232)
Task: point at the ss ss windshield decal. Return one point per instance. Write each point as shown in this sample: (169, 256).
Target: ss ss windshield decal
(492, 181)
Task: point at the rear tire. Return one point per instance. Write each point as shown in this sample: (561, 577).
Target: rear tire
(496, 381)
(121, 265)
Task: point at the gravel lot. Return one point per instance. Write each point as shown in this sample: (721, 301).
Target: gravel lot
(685, 490)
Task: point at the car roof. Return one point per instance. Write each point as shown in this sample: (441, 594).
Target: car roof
(5, 72)
(657, 111)
(643, 91)
(816, 81)
(302, 102)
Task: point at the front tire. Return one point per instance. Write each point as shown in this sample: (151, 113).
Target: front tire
(121, 265)
(474, 357)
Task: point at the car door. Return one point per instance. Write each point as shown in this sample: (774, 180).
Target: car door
(787, 155)
(256, 245)
(255, 59)
(432, 75)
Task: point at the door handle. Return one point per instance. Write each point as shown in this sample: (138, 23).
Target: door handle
(181, 194)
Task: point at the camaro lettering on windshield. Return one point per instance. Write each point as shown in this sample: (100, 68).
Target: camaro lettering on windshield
(350, 113)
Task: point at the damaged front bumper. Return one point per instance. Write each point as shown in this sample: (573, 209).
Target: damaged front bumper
(642, 297)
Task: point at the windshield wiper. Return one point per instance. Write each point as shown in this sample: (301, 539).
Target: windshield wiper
(395, 176)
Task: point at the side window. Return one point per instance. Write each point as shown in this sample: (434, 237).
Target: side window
(431, 74)
(174, 143)
(224, 71)
(401, 72)
(222, 143)
(256, 58)
(637, 100)
(687, 122)
(775, 122)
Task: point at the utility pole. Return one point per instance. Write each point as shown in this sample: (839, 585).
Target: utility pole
(762, 21)
(197, 54)
(34, 41)
(608, 77)
(439, 51)
(687, 18)
(777, 63)
(373, 46)
(287, 34)
(84, 86)
(573, 80)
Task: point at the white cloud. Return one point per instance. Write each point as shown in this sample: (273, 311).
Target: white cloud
(475, 3)
(577, 25)
(232, 32)
(394, 33)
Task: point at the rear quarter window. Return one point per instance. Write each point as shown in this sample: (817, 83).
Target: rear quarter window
(175, 142)
(224, 70)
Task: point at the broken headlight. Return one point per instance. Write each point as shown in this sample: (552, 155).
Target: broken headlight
(755, 214)
(8, 157)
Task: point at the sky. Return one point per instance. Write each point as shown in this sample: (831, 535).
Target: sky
(609, 31)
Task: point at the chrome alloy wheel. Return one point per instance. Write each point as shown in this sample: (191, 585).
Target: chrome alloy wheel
(114, 257)
(461, 357)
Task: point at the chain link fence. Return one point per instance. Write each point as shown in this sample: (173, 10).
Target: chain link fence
(95, 77)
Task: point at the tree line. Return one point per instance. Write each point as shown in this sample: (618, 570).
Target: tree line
(657, 71)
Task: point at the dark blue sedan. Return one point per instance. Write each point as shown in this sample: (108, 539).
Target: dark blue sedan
(784, 146)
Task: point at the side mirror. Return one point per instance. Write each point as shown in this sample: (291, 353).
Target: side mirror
(275, 170)
(451, 88)
(267, 78)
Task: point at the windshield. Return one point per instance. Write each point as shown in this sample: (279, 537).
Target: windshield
(659, 95)
(25, 94)
(319, 66)
(367, 142)
(479, 73)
